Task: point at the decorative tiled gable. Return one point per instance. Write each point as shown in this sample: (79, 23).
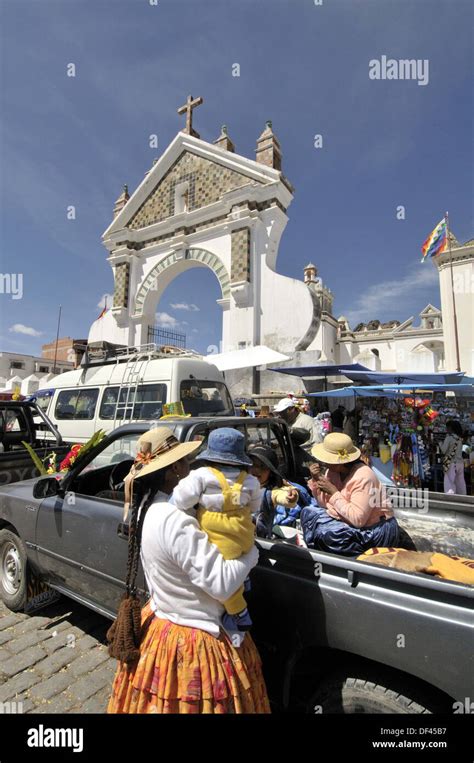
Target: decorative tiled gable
(206, 183)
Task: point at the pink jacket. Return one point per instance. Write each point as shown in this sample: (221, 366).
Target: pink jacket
(360, 502)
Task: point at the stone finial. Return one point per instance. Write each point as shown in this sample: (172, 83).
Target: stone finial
(223, 141)
(121, 201)
(268, 149)
(310, 273)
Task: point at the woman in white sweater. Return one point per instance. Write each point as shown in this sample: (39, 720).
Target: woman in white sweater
(184, 662)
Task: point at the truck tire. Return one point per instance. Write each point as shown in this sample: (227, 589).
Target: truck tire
(347, 695)
(13, 571)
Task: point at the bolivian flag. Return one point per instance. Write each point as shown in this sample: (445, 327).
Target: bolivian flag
(437, 241)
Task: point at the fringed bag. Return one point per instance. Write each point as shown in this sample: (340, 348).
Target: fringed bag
(124, 635)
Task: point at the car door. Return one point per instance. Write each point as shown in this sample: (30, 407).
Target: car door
(80, 537)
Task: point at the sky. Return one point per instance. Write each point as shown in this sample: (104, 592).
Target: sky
(386, 143)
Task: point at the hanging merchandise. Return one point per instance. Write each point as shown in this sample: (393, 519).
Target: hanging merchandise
(425, 467)
(403, 461)
(323, 422)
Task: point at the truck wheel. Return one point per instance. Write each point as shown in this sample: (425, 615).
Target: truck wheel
(347, 695)
(13, 561)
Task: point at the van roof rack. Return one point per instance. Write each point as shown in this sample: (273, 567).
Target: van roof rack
(100, 353)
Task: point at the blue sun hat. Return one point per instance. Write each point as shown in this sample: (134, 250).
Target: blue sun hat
(226, 446)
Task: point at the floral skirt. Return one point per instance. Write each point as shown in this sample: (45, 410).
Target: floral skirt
(186, 670)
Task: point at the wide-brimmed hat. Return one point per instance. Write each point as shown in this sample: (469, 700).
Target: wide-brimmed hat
(267, 457)
(226, 446)
(159, 448)
(336, 448)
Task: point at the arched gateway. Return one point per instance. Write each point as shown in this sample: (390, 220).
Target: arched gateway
(202, 205)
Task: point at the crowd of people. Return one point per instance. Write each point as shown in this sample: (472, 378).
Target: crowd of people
(189, 650)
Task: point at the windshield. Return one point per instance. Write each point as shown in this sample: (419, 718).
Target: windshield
(206, 398)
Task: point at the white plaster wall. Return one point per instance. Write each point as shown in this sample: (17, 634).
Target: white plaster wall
(463, 277)
(326, 342)
(286, 307)
(395, 354)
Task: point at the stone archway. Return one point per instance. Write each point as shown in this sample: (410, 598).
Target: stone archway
(162, 274)
(201, 257)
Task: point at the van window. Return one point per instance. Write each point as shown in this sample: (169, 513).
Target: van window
(43, 401)
(205, 398)
(76, 404)
(148, 404)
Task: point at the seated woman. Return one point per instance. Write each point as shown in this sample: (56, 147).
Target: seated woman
(282, 500)
(354, 513)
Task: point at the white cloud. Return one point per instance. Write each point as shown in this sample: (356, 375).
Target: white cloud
(110, 300)
(19, 328)
(185, 306)
(166, 321)
(389, 296)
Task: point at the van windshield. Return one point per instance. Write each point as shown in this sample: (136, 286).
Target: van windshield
(205, 398)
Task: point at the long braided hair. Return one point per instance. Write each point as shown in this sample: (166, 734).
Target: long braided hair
(124, 635)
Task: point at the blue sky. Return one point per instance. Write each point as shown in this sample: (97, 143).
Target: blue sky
(76, 141)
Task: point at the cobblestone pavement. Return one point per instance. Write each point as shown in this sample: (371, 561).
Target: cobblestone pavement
(55, 660)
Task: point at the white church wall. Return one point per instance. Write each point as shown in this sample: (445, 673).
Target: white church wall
(326, 342)
(287, 311)
(286, 305)
(463, 279)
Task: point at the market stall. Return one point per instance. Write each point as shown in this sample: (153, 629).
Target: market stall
(400, 427)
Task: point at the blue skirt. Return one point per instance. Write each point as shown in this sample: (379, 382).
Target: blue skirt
(324, 533)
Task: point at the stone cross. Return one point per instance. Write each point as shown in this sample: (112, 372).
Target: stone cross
(188, 110)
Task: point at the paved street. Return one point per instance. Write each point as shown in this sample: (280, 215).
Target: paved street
(54, 660)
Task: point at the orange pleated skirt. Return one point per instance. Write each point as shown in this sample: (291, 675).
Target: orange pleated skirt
(186, 670)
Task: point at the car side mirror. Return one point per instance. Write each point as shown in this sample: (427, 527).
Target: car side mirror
(47, 487)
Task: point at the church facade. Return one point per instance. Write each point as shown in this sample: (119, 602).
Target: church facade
(203, 205)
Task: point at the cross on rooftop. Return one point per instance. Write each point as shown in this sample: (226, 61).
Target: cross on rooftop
(188, 110)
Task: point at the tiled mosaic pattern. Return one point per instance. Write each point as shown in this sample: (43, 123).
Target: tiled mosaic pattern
(240, 254)
(122, 278)
(207, 182)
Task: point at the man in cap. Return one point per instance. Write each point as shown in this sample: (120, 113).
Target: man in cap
(288, 411)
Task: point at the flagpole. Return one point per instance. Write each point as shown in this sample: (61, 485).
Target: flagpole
(458, 365)
(57, 338)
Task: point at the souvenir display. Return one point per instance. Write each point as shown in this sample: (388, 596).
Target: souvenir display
(408, 431)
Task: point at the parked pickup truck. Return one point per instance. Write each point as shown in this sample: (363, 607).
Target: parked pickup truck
(24, 421)
(335, 634)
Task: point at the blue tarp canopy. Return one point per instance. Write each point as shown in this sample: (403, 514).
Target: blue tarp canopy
(397, 390)
(402, 377)
(331, 370)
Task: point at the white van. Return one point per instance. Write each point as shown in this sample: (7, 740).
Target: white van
(133, 386)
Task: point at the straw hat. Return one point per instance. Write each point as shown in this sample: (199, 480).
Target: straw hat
(159, 448)
(336, 448)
